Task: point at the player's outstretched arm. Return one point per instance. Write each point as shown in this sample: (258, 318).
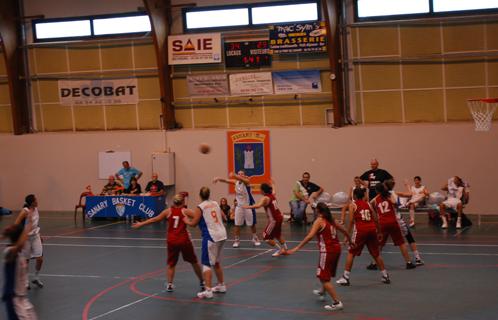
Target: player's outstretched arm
(219, 179)
(163, 215)
(317, 225)
(237, 177)
(262, 202)
(192, 217)
(343, 231)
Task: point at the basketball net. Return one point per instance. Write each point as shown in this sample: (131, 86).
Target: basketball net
(482, 111)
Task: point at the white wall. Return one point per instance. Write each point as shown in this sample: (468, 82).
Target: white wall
(57, 166)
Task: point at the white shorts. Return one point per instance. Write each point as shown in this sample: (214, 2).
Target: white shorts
(33, 247)
(452, 203)
(24, 308)
(211, 252)
(243, 215)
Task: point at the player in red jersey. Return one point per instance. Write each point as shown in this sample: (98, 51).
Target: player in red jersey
(325, 228)
(366, 232)
(273, 229)
(178, 240)
(389, 226)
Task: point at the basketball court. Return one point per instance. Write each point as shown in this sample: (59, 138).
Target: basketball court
(106, 270)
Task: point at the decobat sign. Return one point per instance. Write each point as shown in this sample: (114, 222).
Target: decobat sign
(98, 92)
(194, 48)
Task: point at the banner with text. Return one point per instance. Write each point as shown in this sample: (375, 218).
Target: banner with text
(249, 151)
(194, 48)
(98, 92)
(207, 85)
(302, 81)
(298, 37)
(247, 84)
(249, 54)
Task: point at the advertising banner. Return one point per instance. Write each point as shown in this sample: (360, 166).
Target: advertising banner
(247, 84)
(298, 37)
(300, 81)
(207, 85)
(98, 92)
(249, 54)
(194, 48)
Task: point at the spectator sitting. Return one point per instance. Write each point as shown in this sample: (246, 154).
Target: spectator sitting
(155, 187)
(458, 194)
(112, 187)
(225, 210)
(305, 192)
(358, 184)
(135, 189)
(127, 173)
(418, 193)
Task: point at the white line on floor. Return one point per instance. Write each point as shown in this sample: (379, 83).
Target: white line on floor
(157, 293)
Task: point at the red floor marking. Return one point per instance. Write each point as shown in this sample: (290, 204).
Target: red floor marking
(92, 300)
(142, 277)
(226, 304)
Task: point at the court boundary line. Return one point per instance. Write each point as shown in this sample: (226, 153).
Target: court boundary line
(150, 296)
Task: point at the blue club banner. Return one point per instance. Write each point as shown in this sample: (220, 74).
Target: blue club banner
(301, 81)
(122, 206)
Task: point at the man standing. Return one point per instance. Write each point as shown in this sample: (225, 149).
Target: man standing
(127, 173)
(373, 177)
(305, 192)
(155, 187)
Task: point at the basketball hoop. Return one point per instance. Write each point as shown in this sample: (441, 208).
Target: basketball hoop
(482, 111)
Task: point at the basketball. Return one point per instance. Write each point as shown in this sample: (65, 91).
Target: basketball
(204, 148)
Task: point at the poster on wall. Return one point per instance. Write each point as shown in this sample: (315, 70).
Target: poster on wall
(298, 37)
(207, 85)
(249, 151)
(248, 84)
(194, 48)
(299, 81)
(98, 92)
(248, 54)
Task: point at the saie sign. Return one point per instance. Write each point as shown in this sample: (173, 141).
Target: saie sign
(194, 48)
(98, 92)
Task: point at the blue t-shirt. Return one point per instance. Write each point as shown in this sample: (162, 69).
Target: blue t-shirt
(127, 175)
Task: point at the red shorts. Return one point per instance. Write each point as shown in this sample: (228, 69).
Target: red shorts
(362, 238)
(327, 265)
(273, 230)
(393, 230)
(187, 250)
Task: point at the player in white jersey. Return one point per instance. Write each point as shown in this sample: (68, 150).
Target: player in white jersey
(14, 293)
(33, 248)
(208, 216)
(244, 198)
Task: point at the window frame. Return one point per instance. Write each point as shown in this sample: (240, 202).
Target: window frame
(251, 25)
(430, 14)
(90, 18)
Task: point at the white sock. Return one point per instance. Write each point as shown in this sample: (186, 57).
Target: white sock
(346, 274)
(384, 273)
(254, 236)
(416, 254)
(284, 245)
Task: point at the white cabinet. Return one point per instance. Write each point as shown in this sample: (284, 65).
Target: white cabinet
(163, 163)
